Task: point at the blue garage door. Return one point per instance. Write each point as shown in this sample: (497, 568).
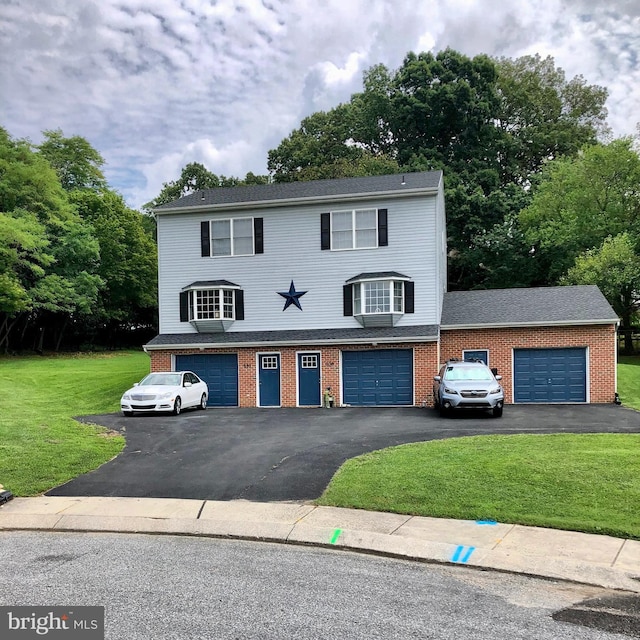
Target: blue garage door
(378, 377)
(550, 375)
(219, 371)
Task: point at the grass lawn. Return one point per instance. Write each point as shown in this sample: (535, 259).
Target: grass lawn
(578, 482)
(41, 445)
(629, 380)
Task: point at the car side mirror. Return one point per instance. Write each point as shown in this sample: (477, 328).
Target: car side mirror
(437, 378)
(187, 384)
(135, 384)
(498, 377)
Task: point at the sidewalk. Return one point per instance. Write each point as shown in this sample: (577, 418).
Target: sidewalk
(562, 555)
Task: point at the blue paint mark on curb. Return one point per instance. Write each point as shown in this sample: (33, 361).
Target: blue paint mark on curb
(491, 522)
(462, 554)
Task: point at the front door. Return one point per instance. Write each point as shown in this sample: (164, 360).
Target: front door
(269, 379)
(309, 379)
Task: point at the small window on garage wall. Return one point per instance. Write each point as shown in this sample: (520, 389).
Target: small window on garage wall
(476, 354)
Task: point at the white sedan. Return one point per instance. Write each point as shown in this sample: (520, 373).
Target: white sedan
(170, 391)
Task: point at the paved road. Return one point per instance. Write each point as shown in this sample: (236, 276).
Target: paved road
(175, 588)
(291, 454)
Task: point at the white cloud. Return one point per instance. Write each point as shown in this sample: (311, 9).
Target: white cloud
(154, 84)
(332, 74)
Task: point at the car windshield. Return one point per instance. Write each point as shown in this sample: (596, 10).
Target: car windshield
(467, 373)
(162, 379)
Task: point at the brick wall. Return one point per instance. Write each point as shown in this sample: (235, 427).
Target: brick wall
(425, 367)
(600, 340)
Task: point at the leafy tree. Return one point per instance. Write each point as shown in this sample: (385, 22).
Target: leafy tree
(488, 124)
(77, 163)
(615, 268)
(49, 261)
(581, 201)
(544, 114)
(193, 177)
(128, 260)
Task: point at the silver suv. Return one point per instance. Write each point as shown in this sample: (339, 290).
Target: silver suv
(467, 385)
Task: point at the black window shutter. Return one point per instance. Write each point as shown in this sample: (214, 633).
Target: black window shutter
(409, 297)
(325, 231)
(258, 236)
(347, 299)
(205, 243)
(239, 295)
(383, 233)
(184, 306)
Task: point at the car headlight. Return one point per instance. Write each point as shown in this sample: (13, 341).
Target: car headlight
(496, 390)
(126, 396)
(164, 396)
(451, 391)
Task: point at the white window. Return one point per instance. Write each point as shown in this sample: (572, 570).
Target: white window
(211, 304)
(356, 229)
(269, 362)
(233, 237)
(309, 362)
(378, 296)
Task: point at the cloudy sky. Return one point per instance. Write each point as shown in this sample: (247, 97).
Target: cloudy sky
(155, 84)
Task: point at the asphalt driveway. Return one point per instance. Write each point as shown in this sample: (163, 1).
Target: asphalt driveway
(291, 454)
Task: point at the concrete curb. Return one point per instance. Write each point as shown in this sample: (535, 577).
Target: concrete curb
(603, 561)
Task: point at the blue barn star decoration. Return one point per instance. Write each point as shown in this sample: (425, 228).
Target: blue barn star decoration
(292, 297)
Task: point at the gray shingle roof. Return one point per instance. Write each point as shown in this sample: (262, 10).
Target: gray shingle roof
(526, 307)
(426, 180)
(423, 333)
(377, 275)
(204, 284)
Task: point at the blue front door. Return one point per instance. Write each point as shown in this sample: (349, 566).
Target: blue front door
(309, 379)
(269, 379)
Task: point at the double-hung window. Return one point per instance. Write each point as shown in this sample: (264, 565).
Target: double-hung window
(354, 229)
(231, 237)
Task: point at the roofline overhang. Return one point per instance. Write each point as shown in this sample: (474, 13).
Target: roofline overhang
(287, 202)
(289, 343)
(516, 325)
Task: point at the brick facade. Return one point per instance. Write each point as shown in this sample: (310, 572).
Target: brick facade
(599, 339)
(424, 354)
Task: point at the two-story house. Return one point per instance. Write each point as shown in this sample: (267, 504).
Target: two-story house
(275, 293)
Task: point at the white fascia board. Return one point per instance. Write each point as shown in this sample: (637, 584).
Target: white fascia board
(284, 202)
(287, 343)
(516, 325)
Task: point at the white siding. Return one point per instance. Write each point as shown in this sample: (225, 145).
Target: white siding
(292, 252)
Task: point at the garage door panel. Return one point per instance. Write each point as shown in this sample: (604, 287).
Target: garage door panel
(378, 377)
(550, 375)
(219, 371)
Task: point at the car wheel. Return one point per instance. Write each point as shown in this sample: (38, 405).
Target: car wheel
(128, 413)
(177, 405)
(497, 412)
(203, 402)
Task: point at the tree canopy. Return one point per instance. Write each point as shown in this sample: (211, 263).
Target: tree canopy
(489, 124)
(71, 252)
